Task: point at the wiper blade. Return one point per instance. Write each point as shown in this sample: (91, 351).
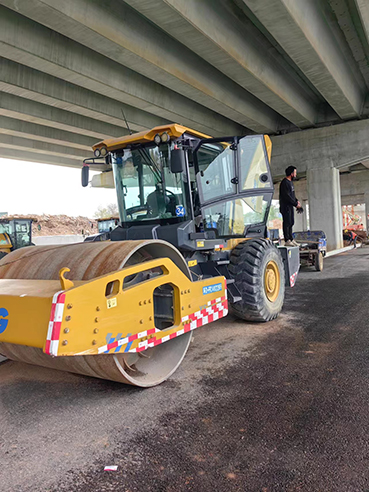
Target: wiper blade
(146, 154)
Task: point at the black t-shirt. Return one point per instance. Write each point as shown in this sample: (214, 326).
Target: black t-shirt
(287, 197)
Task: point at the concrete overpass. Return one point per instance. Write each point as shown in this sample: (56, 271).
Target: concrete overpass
(296, 69)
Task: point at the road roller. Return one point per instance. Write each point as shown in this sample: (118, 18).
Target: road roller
(190, 246)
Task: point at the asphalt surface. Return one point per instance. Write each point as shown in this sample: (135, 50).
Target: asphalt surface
(282, 406)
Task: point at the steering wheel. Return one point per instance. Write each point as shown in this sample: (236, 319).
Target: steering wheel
(138, 208)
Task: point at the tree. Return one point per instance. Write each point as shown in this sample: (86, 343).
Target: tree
(274, 212)
(110, 210)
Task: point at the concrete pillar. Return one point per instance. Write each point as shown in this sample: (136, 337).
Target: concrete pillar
(325, 210)
(301, 219)
(299, 222)
(366, 223)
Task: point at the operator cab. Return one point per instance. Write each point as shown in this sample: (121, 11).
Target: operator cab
(14, 233)
(173, 181)
(147, 188)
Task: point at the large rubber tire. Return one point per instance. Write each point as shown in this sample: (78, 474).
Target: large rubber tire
(318, 262)
(251, 263)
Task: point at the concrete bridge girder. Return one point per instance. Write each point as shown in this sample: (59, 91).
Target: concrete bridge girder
(55, 136)
(31, 44)
(236, 49)
(32, 84)
(363, 9)
(23, 109)
(37, 157)
(37, 146)
(316, 47)
(126, 37)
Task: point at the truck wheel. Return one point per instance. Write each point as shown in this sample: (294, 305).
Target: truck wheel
(257, 268)
(319, 262)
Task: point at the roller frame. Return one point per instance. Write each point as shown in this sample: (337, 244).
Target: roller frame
(68, 319)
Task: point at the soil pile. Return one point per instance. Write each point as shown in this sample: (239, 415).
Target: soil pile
(59, 225)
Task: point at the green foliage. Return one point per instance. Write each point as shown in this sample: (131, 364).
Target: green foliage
(274, 212)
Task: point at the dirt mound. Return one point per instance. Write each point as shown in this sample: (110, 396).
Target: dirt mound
(58, 225)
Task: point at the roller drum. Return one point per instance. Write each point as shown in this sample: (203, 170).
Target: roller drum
(87, 261)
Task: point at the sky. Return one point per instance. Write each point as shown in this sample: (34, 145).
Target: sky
(30, 188)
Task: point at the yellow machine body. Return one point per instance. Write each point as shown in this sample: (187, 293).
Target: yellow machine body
(5, 243)
(67, 319)
(129, 296)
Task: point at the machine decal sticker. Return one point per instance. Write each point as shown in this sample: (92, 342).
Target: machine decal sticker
(210, 289)
(111, 303)
(3, 321)
(180, 211)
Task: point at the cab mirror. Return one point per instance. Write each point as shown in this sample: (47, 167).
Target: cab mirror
(85, 175)
(177, 161)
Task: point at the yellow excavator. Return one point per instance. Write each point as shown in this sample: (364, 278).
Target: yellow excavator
(191, 244)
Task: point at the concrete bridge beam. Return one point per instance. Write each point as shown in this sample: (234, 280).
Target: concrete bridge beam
(32, 84)
(30, 156)
(126, 37)
(316, 46)
(29, 43)
(38, 147)
(25, 129)
(237, 49)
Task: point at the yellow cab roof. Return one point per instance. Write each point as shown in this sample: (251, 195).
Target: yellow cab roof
(174, 131)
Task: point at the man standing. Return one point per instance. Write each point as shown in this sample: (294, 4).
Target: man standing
(287, 201)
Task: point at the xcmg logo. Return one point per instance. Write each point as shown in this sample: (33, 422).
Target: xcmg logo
(3, 320)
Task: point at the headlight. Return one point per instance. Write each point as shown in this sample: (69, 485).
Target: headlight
(103, 151)
(157, 139)
(97, 153)
(165, 137)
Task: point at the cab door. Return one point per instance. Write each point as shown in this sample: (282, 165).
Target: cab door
(235, 185)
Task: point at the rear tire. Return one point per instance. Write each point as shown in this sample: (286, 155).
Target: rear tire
(319, 262)
(257, 267)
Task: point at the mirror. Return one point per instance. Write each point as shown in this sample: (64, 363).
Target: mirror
(177, 161)
(85, 174)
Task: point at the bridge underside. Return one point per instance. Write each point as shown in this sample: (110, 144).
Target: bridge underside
(295, 69)
(68, 70)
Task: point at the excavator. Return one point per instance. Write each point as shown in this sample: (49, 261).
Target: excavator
(191, 245)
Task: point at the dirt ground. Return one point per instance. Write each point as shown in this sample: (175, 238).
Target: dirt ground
(273, 407)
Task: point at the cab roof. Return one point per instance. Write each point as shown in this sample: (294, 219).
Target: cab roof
(174, 131)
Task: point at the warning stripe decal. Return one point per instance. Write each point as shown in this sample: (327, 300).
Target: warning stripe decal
(217, 309)
(56, 318)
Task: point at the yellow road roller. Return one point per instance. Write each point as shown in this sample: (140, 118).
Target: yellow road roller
(191, 244)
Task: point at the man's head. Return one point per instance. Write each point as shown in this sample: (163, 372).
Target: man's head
(291, 172)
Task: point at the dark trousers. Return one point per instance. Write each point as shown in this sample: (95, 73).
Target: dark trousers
(288, 221)
(353, 241)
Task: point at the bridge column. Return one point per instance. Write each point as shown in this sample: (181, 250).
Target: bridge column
(366, 221)
(324, 192)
